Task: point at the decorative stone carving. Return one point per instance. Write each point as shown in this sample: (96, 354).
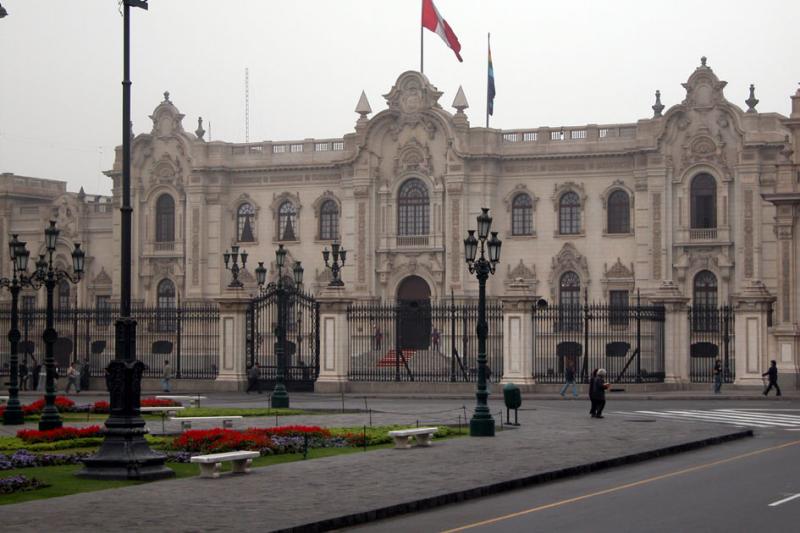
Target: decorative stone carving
(102, 278)
(167, 120)
(695, 259)
(568, 259)
(566, 186)
(522, 275)
(618, 270)
(413, 157)
(656, 246)
(411, 98)
(66, 217)
(508, 199)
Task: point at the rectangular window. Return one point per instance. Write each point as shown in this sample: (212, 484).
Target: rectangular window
(321, 147)
(294, 148)
(278, 148)
(618, 311)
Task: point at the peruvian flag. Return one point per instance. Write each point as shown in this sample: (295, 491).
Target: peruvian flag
(432, 20)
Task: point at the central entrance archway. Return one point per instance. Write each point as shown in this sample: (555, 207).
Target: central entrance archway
(414, 317)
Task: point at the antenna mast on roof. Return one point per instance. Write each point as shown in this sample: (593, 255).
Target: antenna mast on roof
(246, 105)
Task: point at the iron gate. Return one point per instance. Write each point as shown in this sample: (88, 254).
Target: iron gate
(711, 337)
(626, 340)
(301, 348)
(427, 342)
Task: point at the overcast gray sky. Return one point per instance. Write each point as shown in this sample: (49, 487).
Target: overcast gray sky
(557, 63)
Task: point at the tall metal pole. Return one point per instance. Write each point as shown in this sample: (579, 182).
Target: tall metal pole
(13, 414)
(124, 453)
(50, 417)
(280, 397)
(421, 40)
(482, 424)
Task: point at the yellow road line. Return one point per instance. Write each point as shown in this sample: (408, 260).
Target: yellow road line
(620, 487)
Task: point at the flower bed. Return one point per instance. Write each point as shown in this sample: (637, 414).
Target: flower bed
(65, 433)
(10, 485)
(285, 439)
(26, 459)
(63, 404)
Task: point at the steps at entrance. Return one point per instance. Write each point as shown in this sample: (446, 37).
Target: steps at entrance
(391, 358)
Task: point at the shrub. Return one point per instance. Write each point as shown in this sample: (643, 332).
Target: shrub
(101, 407)
(156, 402)
(221, 440)
(34, 436)
(25, 459)
(9, 485)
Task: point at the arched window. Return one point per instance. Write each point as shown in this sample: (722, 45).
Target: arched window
(166, 303)
(522, 215)
(569, 302)
(704, 202)
(245, 223)
(63, 295)
(619, 212)
(569, 214)
(413, 211)
(287, 222)
(165, 218)
(705, 314)
(329, 221)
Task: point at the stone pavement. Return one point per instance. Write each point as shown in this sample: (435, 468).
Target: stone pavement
(549, 443)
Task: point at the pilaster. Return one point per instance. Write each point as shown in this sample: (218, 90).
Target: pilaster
(518, 335)
(232, 342)
(676, 331)
(334, 363)
(752, 306)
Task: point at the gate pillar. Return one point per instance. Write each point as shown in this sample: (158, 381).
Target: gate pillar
(676, 331)
(752, 307)
(334, 346)
(518, 336)
(232, 343)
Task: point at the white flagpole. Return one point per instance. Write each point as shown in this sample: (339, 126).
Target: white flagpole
(421, 40)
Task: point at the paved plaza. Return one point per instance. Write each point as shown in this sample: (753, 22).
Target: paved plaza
(555, 438)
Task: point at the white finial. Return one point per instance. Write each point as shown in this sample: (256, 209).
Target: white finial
(460, 101)
(362, 107)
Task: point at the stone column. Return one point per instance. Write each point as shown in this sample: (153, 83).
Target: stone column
(518, 335)
(334, 349)
(232, 342)
(751, 307)
(676, 331)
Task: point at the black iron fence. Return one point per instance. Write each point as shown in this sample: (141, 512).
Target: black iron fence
(426, 342)
(711, 337)
(626, 340)
(186, 336)
(302, 338)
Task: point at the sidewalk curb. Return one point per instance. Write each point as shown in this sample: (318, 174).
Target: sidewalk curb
(422, 504)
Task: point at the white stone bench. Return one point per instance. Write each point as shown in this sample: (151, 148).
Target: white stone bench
(211, 464)
(163, 411)
(186, 421)
(423, 436)
(194, 400)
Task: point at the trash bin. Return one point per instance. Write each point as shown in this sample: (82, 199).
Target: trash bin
(513, 399)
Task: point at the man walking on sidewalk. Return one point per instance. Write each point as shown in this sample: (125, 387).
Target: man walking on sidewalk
(717, 376)
(569, 379)
(772, 374)
(166, 375)
(254, 379)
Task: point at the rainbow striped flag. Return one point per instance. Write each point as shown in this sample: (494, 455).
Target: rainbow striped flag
(490, 92)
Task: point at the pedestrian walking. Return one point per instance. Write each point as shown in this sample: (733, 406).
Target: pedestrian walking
(86, 373)
(435, 339)
(597, 391)
(377, 336)
(166, 376)
(717, 376)
(254, 379)
(23, 376)
(772, 376)
(569, 379)
(591, 393)
(72, 379)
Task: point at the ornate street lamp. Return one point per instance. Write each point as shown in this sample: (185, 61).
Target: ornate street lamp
(482, 423)
(3, 12)
(232, 259)
(47, 275)
(280, 396)
(338, 253)
(124, 454)
(13, 414)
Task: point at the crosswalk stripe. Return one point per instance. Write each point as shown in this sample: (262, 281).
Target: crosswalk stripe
(737, 417)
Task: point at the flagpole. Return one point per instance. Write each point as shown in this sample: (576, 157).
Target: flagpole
(489, 51)
(421, 40)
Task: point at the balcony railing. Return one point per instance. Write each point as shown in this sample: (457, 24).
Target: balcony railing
(164, 247)
(412, 240)
(704, 234)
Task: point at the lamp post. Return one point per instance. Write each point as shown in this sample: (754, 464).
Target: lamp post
(482, 424)
(232, 259)
(3, 12)
(338, 253)
(49, 276)
(124, 453)
(13, 414)
(280, 397)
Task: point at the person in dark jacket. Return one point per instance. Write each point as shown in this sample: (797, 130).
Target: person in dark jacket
(254, 379)
(593, 410)
(597, 391)
(569, 379)
(772, 374)
(717, 376)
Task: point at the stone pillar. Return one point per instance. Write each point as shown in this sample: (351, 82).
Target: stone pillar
(518, 335)
(676, 331)
(751, 307)
(334, 346)
(232, 342)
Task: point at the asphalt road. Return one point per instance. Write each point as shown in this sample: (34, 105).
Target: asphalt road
(721, 488)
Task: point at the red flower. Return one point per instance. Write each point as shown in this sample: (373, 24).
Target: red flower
(156, 402)
(101, 407)
(298, 431)
(33, 436)
(221, 440)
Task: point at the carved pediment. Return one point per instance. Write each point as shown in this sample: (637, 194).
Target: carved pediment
(704, 89)
(568, 259)
(413, 157)
(618, 271)
(102, 278)
(522, 275)
(412, 93)
(167, 120)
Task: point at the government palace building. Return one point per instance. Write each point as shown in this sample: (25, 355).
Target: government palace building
(696, 204)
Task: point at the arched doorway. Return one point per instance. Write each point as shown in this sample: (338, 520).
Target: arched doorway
(414, 313)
